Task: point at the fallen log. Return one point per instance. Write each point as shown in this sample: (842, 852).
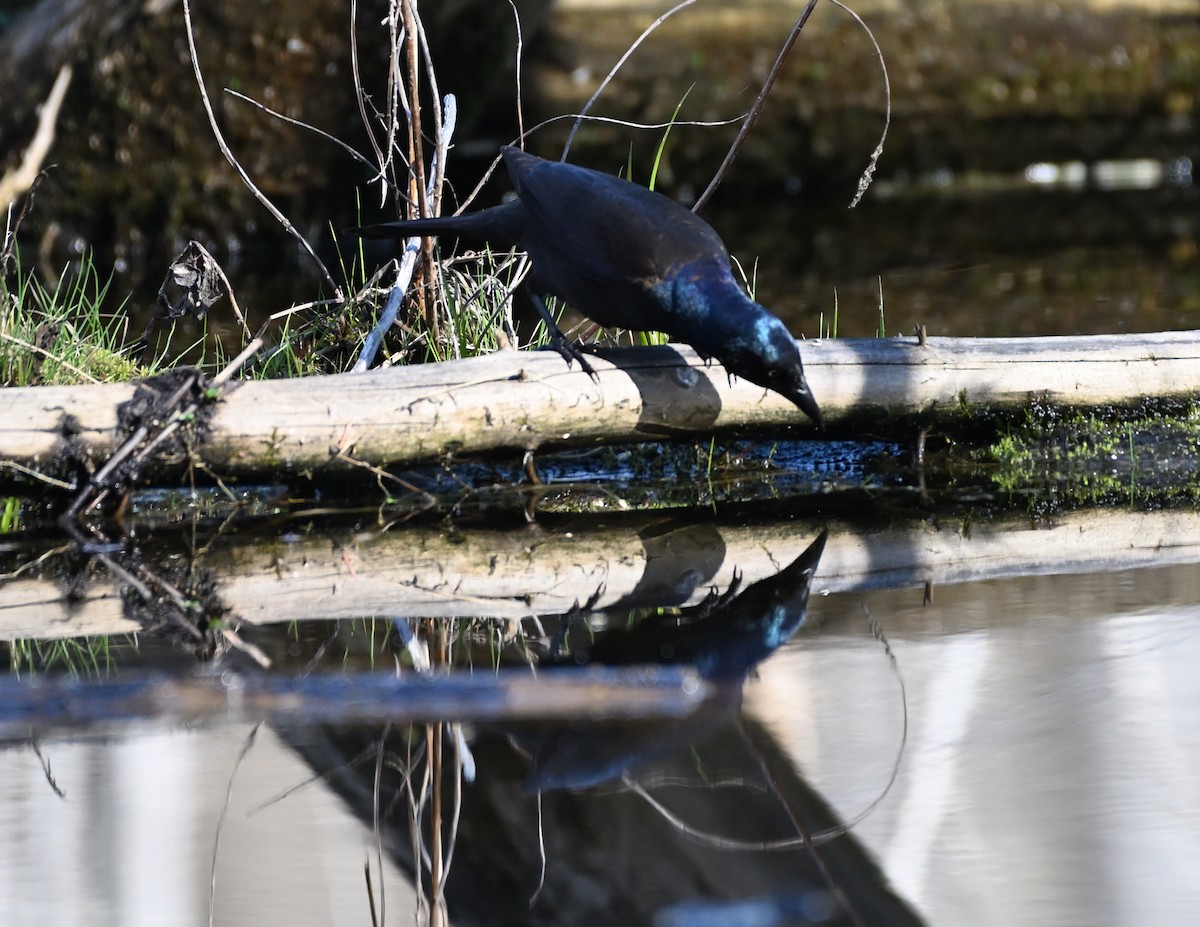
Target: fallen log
(522, 401)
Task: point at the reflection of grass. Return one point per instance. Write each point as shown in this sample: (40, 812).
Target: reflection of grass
(82, 656)
(1098, 457)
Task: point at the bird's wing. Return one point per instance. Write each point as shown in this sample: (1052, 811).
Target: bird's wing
(608, 227)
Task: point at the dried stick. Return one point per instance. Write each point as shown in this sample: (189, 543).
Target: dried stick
(865, 180)
(225, 150)
(412, 246)
(95, 490)
(760, 100)
(617, 67)
(21, 178)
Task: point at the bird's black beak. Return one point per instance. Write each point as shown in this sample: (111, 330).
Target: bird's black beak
(803, 397)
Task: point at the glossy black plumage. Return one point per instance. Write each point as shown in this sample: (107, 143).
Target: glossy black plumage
(627, 257)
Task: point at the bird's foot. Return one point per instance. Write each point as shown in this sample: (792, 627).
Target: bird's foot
(572, 351)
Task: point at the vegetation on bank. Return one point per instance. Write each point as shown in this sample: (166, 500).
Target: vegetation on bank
(1097, 457)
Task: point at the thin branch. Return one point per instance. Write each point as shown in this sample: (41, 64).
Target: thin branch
(349, 149)
(517, 68)
(212, 884)
(617, 67)
(412, 246)
(21, 178)
(241, 172)
(610, 120)
(438, 167)
(50, 780)
(760, 100)
(361, 94)
(865, 180)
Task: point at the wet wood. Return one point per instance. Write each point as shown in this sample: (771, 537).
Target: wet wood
(510, 402)
(432, 572)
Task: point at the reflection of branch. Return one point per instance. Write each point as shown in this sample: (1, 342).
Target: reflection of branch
(50, 780)
(18, 180)
(212, 879)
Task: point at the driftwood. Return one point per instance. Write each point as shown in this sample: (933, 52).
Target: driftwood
(518, 401)
(628, 562)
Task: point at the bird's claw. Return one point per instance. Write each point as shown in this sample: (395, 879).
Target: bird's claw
(572, 351)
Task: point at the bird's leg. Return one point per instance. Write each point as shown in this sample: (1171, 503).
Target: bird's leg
(576, 612)
(558, 341)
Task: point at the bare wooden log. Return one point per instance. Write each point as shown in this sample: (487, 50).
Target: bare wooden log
(517, 401)
(424, 572)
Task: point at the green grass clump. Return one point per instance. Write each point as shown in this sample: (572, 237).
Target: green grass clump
(62, 335)
(87, 656)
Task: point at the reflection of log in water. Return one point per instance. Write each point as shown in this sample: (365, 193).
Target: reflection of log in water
(536, 570)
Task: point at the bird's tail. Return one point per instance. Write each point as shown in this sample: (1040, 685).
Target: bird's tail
(501, 225)
(441, 225)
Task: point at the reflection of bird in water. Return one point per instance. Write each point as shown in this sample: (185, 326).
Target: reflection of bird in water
(627, 257)
(723, 637)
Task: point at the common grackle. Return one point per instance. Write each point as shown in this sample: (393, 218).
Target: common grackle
(627, 257)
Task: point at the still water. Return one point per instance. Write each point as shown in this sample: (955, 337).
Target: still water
(986, 721)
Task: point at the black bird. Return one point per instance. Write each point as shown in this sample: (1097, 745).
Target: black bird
(627, 257)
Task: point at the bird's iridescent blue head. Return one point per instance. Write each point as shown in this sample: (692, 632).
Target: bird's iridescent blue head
(770, 358)
(748, 340)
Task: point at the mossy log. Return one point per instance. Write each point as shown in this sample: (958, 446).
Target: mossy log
(427, 571)
(522, 401)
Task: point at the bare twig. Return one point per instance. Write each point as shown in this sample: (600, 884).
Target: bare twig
(416, 154)
(377, 823)
(361, 96)
(408, 262)
(615, 68)
(349, 149)
(760, 100)
(241, 172)
(34, 474)
(433, 190)
(254, 652)
(609, 120)
(50, 780)
(50, 355)
(21, 178)
(517, 69)
(391, 309)
(212, 883)
(865, 180)
(96, 489)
